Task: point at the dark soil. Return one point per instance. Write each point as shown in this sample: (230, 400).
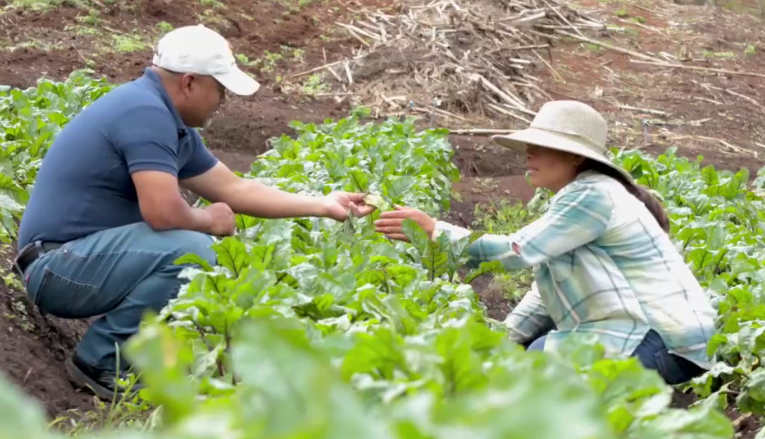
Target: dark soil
(498, 306)
(245, 123)
(700, 108)
(33, 349)
(474, 191)
(479, 157)
(746, 426)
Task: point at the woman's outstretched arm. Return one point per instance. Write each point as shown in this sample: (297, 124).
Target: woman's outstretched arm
(578, 215)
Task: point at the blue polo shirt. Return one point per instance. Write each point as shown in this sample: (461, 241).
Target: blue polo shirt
(84, 184)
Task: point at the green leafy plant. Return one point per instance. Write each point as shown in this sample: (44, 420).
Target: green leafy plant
(717, 222)
(313, 328)
(29, 121)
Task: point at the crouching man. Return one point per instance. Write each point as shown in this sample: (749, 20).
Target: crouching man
(106, 218)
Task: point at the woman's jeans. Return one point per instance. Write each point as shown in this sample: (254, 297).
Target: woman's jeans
(653, 354)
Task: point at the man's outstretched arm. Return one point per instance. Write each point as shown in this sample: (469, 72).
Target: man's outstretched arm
(256, 199)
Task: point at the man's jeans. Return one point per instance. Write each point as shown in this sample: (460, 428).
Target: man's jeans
(120, 273)
(653, 354)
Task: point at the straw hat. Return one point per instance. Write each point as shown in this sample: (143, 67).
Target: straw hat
(569, 126)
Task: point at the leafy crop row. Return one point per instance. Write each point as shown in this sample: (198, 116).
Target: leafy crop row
(718, 222)
(310, 328)
(29, 121)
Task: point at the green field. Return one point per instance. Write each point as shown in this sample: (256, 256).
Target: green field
(310, 328)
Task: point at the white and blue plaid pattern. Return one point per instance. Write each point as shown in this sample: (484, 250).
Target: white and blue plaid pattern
(602, 265)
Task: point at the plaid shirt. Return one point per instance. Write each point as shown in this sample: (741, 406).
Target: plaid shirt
(602, 265)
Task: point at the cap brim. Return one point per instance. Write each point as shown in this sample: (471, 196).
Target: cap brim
(520, 140)
(238, 82)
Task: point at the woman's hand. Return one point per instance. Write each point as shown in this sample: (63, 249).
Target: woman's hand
(390, 222)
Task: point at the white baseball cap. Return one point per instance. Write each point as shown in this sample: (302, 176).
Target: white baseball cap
(201, 50)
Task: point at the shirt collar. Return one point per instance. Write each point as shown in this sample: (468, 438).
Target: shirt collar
(582, 176)
(153, 80)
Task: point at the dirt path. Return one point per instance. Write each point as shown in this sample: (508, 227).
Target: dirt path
(649, 107)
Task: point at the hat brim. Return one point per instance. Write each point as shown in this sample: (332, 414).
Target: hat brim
(520, 140)
(238, 82)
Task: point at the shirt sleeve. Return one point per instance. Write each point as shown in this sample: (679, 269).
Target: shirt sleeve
(147, 139)
(579, 216)
(529, 319)
(201, 160)
(453, 232)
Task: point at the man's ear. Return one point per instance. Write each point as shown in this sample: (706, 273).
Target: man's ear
(186, 82)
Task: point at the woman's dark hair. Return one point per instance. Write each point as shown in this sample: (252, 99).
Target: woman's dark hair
(651, 202)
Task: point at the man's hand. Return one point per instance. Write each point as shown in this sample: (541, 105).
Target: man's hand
(391, 222)
(337, 205)
(222, 221)
(253, 198)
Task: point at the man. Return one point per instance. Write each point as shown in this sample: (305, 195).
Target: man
(106, 218)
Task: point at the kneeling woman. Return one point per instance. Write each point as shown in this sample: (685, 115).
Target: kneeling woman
(603, 261)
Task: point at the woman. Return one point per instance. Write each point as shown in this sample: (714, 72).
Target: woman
(603, 261)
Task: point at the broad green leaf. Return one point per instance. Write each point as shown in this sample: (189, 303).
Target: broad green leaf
(485, 267)
(21, 417)
(232, 254)
(163, 364)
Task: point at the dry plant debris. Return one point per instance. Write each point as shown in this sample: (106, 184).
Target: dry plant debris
(464, 61)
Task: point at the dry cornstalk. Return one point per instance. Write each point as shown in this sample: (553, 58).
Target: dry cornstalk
(711, 101)
(643, 110)
(703, 69)
(475, 58)
(512, 100)
(555, 73)
(348, 73)
(607, 46)
(722, 142)
(331, 70)
(731, 92)
(499, 109)
(483, 131)
(324, 66)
